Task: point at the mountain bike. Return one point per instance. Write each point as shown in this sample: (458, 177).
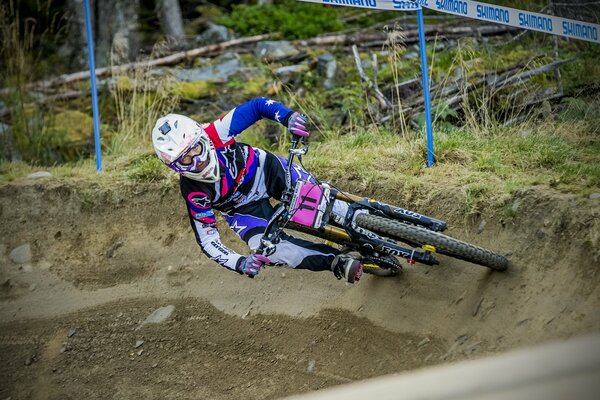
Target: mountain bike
(380, 234)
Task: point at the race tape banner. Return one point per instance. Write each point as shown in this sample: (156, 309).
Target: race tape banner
(521, 19)
(389, 5)
(565, 27)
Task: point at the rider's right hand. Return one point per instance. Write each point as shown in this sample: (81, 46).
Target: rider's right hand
(251, 264)
(297, 125)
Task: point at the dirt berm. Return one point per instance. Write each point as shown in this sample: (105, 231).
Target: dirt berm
(104, 257)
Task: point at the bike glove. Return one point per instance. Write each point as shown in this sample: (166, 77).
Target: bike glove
(251, 264)
(297, 125)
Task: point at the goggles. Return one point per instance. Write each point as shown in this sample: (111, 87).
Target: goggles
(194, 159)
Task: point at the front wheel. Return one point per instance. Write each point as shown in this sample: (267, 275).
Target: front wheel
(442, 243)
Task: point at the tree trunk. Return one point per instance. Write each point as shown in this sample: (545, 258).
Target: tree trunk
(117, 31)
(76, 46)
(171, 22)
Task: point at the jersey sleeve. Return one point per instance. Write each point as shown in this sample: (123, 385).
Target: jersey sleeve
(204, 225)
(223, 130)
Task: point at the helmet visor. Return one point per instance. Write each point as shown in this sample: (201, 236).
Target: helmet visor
(194, 159)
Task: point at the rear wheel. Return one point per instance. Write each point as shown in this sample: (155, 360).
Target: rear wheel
(443, 244)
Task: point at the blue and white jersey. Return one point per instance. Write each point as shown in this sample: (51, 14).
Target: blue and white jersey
(239, 163)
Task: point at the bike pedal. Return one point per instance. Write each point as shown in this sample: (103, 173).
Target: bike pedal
(429, 248)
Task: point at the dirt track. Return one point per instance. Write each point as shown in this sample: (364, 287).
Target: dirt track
(106, 258)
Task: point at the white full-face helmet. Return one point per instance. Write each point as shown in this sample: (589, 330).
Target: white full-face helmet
(182, 144)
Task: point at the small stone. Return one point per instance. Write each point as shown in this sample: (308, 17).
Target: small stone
(154, 365)
(481, 226)
(159, 315)
(246, 314)
(28, 361)
(594, 196)
(139, 353)
(139, 343)
(515, 206)
(423, 342)
(72, 332)
(311, 365)
(21, 254)
(275, 50)
(32, 287)
(39, 174)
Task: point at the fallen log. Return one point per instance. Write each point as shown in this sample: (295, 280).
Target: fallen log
(168, 60)
(510, 80)
(370, 39)
(494, 81)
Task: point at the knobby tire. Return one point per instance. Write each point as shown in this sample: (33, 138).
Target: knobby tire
(443, 244)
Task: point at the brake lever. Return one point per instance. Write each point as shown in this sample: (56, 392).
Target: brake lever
(300, 152)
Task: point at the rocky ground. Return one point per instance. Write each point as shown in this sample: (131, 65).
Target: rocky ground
(104, 294)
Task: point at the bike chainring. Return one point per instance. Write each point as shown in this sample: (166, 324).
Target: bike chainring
(385, 263)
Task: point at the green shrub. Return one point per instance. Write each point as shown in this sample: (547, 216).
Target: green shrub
(147, 168)
(290, 18)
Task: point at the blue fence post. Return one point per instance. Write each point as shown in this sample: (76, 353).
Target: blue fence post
(90, 41)
(426, 94)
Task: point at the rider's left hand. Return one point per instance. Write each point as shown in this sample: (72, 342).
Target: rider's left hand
(252, 264)
(297, 125)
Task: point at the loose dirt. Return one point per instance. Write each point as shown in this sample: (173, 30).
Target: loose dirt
(104, 258)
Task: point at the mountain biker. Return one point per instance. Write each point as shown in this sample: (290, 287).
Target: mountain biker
(218, 173)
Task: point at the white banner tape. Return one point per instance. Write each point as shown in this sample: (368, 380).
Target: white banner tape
(486, 12)
(521, 19)
(389, 5)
